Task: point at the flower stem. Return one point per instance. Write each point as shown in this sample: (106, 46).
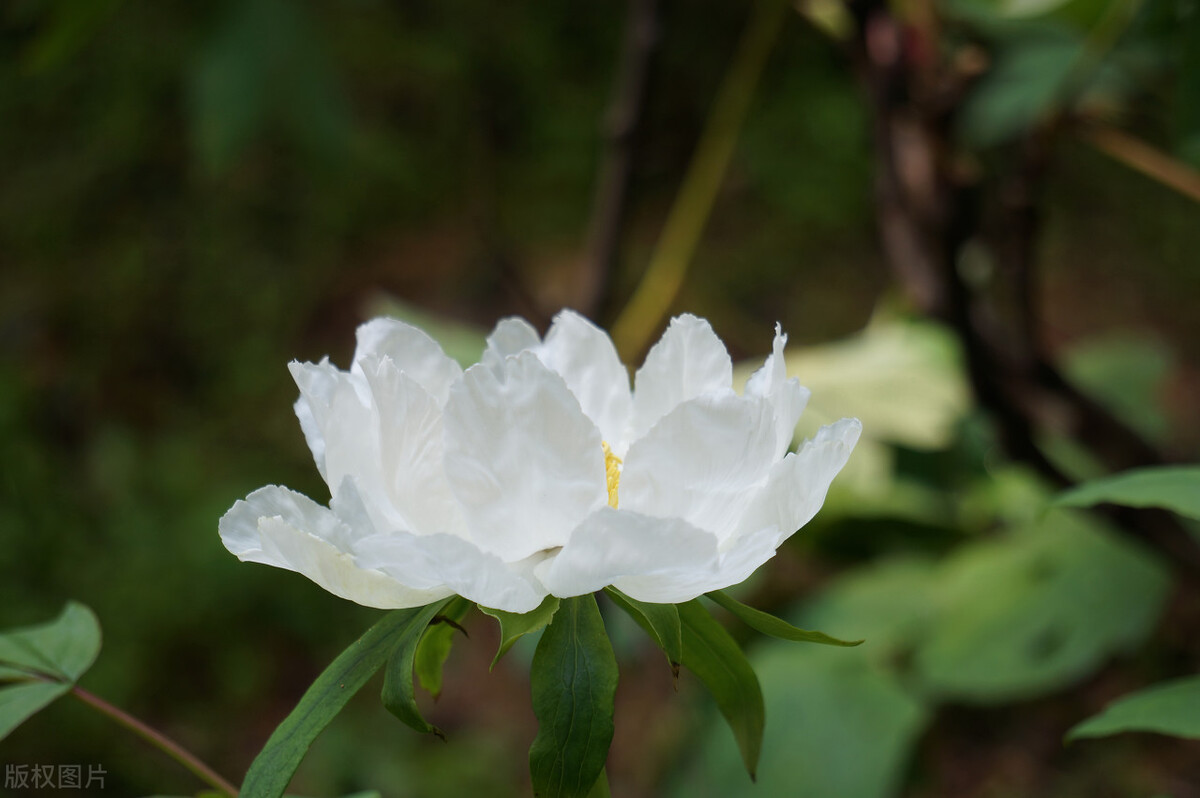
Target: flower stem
(158, 740)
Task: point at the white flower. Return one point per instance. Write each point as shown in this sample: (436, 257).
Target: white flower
(537, 471)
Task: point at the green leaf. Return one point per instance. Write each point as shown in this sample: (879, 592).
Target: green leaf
(1022, 615)
(775, 627)
(718, 661)
(398, 678)
(840, 728)
(1125, 374)
(574, 681)
(274, 766)
(1026, 83)
(1174, 488)
(436, 643)
(1169, 708)
(889, 602)
(600, 789)
(40, 663)
(18, 702)
(514, 626)
(661, 622)
(63, 649)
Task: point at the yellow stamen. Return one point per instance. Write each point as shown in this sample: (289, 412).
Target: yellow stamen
(612, 474)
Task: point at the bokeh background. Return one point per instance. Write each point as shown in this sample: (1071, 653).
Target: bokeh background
(193, 194)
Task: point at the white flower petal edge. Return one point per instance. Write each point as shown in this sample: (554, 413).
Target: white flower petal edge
(412, 351)
(276, 526)
(787, 396)
(797, 484)
(457, 564)
(615, 547)
(657, 560)
(687, 361)
(585, 357)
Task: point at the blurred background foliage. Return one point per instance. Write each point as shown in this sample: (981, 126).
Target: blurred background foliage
(194, 194)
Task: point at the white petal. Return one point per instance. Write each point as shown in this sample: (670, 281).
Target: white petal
(510, 336)
(412, 452)
(279, 527)
(730, 568)
(317, 382)
(521, 457)
(703, 462)
(786, 395)
(585, 357)
(797, 485)
(338, 421)
(457, 564)
(652, 559)
(413, 352)
(743, 556)
(687, 361)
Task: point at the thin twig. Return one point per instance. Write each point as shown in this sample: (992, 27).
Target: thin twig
(158, 740)
(1148, 160)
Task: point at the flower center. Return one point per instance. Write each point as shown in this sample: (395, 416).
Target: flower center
(612, 474)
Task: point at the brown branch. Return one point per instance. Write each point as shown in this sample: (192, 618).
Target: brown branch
(622, 124)
(931, 209)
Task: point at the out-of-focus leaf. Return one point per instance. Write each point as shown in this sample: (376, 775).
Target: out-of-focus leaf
(839, 728)
(1175, 488)
(514, 626)
(436, 643)
(718, 661)
(63, 649)
(889, 603)
(574, 682)
(398, 677)
(1083, 15)
(1032, 612)
(274, 766)
(661, 622)
(1125, 373)
(1168, 708)
(1026, 82)
(775, 627)
(264, 65)
(19, 701)
(902, 379)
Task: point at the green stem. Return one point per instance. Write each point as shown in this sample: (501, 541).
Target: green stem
(158, 740)
(685, 222)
